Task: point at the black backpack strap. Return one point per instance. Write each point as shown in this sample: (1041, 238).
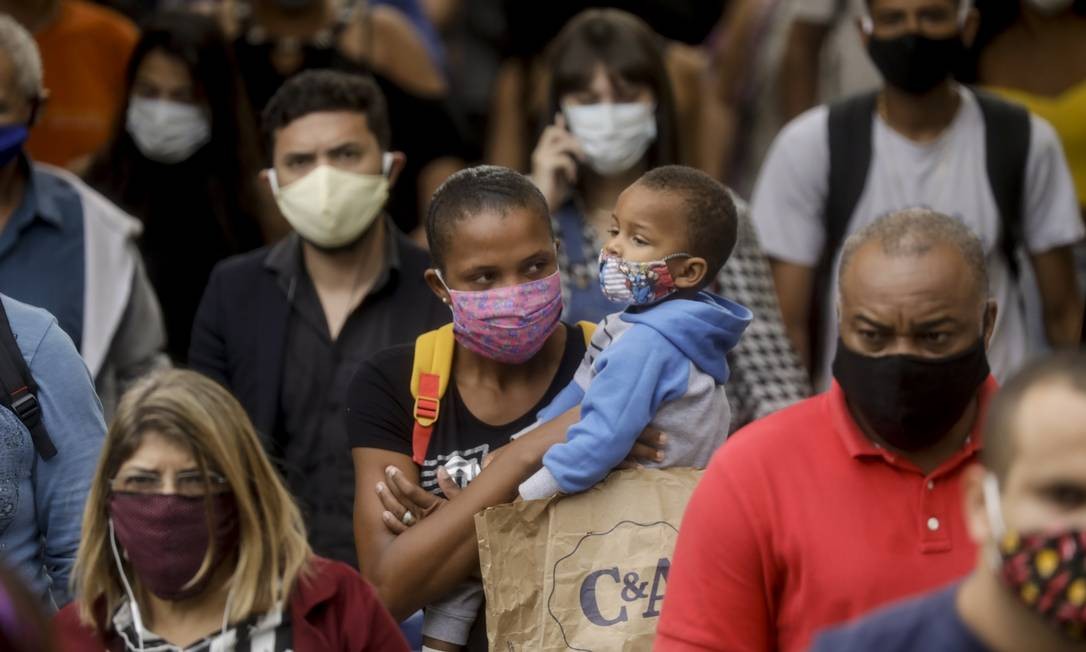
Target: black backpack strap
(850, 124)
(851, 121)
(1007, 132)
(18, 391)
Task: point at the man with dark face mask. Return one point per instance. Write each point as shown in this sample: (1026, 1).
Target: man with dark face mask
(849, 500)
(285, 327)
(923, 140)
(1025, 508)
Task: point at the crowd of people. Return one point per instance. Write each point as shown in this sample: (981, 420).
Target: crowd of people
(292, 290)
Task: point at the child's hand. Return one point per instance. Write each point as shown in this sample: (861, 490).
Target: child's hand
(649, 447)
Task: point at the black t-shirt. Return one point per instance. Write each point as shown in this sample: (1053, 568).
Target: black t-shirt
(380, 407)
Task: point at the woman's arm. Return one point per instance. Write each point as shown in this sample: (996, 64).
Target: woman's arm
(432, 557)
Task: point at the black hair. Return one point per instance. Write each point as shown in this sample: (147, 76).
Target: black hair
(315, 91)
(712, 221)
(120, 172)
(630, 51)
(1067, 368)
(476, 190)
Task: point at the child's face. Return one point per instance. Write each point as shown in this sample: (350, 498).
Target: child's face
(647, 225)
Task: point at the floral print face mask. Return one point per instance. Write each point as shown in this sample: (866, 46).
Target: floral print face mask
(1046, 572)
(639, 284)
(509, 324)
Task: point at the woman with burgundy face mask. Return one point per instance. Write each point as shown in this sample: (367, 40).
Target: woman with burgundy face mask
(495, 266)
(191, 541)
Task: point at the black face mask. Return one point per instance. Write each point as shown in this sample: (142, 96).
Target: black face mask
(915, 63)
(910, 402)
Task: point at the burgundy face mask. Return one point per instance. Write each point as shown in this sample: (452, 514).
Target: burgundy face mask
(165, 538)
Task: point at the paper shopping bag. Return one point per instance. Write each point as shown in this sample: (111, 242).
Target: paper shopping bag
(583, 572)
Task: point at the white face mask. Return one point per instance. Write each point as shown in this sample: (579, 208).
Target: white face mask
(166, 131)
(614, 136)
(330, 207)
(1050, 7)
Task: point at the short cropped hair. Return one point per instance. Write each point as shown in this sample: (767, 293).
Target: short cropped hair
(476, 190)
(1066, 368)
(316, 91)
(712, 221)
(23, 55)
(914, 232)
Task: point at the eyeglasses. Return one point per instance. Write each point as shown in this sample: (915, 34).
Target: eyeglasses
(193, 484)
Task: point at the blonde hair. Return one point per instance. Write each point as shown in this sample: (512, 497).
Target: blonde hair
(202, 416)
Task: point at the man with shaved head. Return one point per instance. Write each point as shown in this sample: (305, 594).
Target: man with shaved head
(1025, 508)
(849, 500)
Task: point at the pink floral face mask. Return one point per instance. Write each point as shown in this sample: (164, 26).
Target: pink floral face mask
(509, 324)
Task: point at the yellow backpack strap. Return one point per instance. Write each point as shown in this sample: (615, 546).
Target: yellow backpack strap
(588, 329)
(429, 380)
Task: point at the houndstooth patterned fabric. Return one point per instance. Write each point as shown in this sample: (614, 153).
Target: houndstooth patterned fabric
(766, 374)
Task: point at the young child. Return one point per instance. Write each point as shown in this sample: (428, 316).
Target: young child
(660, 362)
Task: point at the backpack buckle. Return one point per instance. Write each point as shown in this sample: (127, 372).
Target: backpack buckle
(426, 409)
(26, 407)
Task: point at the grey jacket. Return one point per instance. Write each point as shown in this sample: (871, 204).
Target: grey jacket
(123, 334)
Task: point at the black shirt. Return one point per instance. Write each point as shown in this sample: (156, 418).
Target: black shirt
(380, 407)
(310, 438)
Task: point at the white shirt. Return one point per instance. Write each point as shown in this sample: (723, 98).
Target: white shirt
(948, 175)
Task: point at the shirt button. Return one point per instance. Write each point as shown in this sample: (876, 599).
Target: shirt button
(931, 485)
(933, 524)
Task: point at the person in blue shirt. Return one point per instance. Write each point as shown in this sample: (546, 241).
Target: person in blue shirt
(41, 501)
(1025, 507)
(64, 247)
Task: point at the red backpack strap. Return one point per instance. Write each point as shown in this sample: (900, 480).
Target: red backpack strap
(426, 409)
(429, 379)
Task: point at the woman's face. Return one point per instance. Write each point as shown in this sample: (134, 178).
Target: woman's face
(161, 466)
(494, 250)
(602, 89)
(162, 76)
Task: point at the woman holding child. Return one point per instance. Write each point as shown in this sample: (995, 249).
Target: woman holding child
(495, 264)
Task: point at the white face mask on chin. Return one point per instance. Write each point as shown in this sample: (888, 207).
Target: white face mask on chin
(614, 136)
(167, 131)
(330, 207)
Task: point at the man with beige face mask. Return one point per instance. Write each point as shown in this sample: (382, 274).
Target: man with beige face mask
(286, 326)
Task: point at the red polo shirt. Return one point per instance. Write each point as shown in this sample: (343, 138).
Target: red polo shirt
(801, 522)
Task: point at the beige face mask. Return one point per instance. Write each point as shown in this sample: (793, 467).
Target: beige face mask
(330, 207)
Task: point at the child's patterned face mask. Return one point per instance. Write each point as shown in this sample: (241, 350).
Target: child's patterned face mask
(640, 284)
(1046, 572)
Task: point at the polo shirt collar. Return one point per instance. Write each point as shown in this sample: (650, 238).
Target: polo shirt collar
(860, 446)
(285, 259)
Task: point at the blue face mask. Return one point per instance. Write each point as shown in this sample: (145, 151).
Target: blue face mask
(12, 138)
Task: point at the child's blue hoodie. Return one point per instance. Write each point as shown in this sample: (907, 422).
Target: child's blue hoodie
(663, 365)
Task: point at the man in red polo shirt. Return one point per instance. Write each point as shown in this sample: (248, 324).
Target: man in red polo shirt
(1026, 509)
(849, 500)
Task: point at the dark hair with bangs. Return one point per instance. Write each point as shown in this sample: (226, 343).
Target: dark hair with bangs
(630, 51)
